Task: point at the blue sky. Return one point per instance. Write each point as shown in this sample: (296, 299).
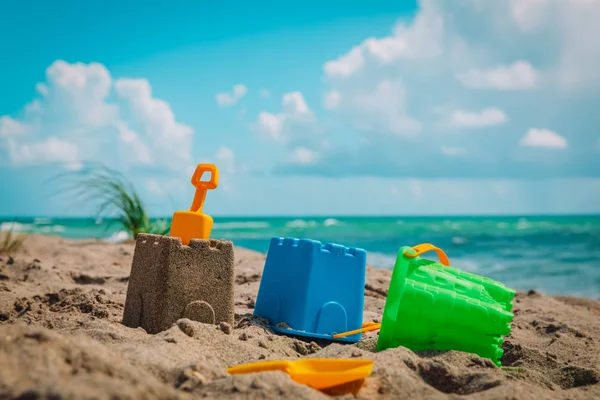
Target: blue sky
(346, 108)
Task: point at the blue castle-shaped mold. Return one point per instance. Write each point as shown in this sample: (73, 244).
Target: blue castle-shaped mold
(316, 289)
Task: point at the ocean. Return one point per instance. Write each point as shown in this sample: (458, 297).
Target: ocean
(558, 255)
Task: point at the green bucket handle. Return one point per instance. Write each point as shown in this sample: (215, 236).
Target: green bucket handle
(418, 250)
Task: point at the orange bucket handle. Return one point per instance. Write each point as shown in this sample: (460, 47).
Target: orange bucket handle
(366, 327)
(426, 247)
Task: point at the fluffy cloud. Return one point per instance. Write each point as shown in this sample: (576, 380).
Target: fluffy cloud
(156, 120)
(486, 117)
(400, 95)
(10, 127)
(51, 150)
(518, 76)
(295, 119)
(543, 138)
(225, 99)
(421, 40)
(332, 100)
(383, 110)
(302, 155)
(83, 114)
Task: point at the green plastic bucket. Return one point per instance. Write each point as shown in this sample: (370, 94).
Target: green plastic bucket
(431, 306)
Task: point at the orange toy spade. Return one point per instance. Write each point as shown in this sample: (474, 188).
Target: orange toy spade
(318, 373)
(193, 224)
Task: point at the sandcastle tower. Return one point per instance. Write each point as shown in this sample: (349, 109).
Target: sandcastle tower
(170, 280)
(185, 275)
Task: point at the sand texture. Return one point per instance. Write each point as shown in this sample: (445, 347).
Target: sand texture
(61, 336)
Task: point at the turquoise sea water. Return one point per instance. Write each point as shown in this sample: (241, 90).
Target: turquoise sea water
(553, 254)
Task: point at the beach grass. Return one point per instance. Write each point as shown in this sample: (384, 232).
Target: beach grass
(11, 242)
(114, 197)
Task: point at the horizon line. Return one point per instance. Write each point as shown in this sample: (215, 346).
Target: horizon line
(224, 216)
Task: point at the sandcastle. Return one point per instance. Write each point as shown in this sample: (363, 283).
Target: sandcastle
(170, 281)
(185, 275)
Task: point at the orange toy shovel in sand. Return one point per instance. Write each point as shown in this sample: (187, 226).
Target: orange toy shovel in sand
(193, 224)
(318, 373)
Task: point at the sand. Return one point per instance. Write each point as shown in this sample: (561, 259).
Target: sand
(61, 336)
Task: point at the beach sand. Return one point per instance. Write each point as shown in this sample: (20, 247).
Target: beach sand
(61, 307)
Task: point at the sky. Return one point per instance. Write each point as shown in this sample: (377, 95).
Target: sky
(312, 108)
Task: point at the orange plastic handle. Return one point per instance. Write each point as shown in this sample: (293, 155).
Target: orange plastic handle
(366, 327)
(424, 248)
(203, 186)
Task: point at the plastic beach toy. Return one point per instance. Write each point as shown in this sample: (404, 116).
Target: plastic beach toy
(318, 373)
(193, 224)
(312, 290)
(432, 306)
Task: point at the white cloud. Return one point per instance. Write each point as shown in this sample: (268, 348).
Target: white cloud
(543, 138)
(51, 150)
(453, 151)
(41, 88)
(533, 60)
(332, 99)
(225, 99)
(346, 65)
(271, 125)
(264, 93)
(295, 113)
(580, 54)
(226, 160)
(171, 139)
(137, 150)
(527, 13)
(74, 120)
(294, 105)
(302, 155)
(486, 117)
(383, 110)
(11, 127)
(518, 76)
(420, 40)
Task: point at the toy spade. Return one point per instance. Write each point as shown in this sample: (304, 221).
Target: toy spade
(193, 224)
(318, 373)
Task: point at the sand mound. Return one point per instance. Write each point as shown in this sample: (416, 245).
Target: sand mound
(61, 306)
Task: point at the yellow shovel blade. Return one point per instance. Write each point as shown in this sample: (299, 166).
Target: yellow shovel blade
(318, 373)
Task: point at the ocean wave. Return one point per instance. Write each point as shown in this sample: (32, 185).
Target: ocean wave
(51, 229)
(331, 222)
(523, 224)
(381, 260)
(12, 226)
(459, 241)
(241, 225)
(452, 224)
(465, 264)
(118, 237)
(300, 223)
(42, 221)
